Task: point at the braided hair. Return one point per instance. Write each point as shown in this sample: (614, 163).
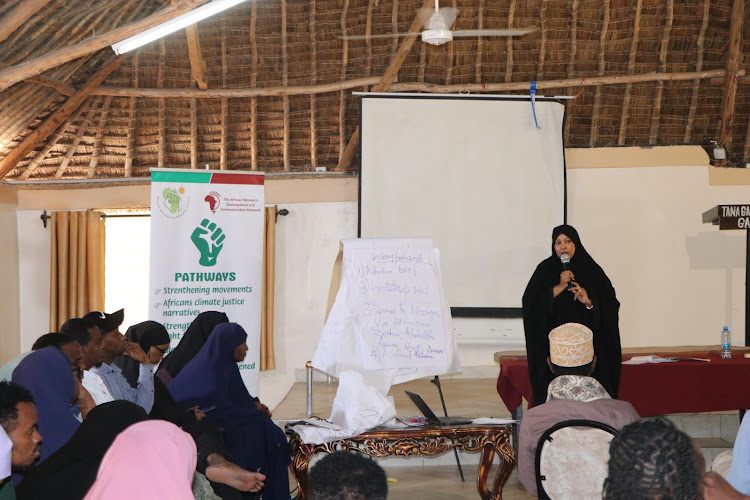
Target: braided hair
(652, 459)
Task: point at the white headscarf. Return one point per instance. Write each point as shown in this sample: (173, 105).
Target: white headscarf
(6, 451)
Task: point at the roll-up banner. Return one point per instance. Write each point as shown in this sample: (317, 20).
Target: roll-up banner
(207, 253)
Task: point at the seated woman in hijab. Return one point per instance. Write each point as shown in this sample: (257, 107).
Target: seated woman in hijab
(47, 374)
(212, 379)
(212, 451)
(69, 472)
(577, 291)
(190, 343)
(151, 459)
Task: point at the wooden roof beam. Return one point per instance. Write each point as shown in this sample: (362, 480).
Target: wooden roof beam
(55, 58)
(48, 82)
(731, 74)
(93, 107)
(19, 15)
(389, 76)
(34, 139)
(197, 64)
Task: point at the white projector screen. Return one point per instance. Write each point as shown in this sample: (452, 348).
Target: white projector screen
(475, 174)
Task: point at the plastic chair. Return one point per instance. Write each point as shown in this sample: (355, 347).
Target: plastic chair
(571, 460)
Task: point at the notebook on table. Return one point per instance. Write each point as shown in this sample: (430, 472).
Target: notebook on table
(430, 416)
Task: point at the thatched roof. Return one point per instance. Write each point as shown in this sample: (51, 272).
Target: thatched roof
(642, 68)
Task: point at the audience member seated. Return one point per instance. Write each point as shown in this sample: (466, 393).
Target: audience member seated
(572, 394)
(70, 471)
(739, 472)
(651, 458)
(212, 451)
(87, 334)
(47, 374)
(715, 487)
(6, 452)
(190, 343)
(151, 459)
(113, 345)
(63, 342)
(345, 475)
(212, 379)
(18, 420)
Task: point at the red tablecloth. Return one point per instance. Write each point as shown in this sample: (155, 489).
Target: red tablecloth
(657, 389)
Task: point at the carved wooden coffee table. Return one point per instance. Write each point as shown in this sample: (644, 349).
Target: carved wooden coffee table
(425, 440)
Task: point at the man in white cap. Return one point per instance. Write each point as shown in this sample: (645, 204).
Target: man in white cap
(573, 394)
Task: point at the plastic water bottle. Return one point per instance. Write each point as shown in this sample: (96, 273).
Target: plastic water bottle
(726, 343)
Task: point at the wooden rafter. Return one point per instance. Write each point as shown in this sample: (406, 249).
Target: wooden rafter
(731, 75)
(659, 89)
(368, 32)
(55, 119)
(314, 76)
(451, 54)
(197, 64)
(342, 93)
(224, 146)
(631, 70)
(698, 67)
(84, 125)
(130, 152)
(253, 84)
(19, 15)
(193, 133)
(47, 82)
(572, 55)
(51, 143)
(480, 44)
(55, 58)
(389, 76)
(542, 41)
(161, 111)
(284, 82)
(558, 84)
(509, 43)
(594, 135)
(91, 172)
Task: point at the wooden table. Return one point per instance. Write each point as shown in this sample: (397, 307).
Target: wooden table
(425, 440)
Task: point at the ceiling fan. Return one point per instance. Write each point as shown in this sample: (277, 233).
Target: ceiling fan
(437, 29)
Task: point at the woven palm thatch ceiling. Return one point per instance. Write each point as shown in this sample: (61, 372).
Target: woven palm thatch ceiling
(267, 85)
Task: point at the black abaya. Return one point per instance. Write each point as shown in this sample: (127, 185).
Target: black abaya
(542, 312)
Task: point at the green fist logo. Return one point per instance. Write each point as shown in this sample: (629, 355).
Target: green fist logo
(209, 240)
(171, 200)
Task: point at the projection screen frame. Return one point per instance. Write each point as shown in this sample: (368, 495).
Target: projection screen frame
(468, 312)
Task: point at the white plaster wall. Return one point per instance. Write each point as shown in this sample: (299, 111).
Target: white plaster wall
(10, 308)
(678, 280)
(34, 270)
(307, 243)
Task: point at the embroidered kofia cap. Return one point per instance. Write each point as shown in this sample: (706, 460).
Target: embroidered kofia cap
(571, 344)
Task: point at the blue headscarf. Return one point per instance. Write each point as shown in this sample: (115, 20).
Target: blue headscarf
(47, 374)
(212, 377)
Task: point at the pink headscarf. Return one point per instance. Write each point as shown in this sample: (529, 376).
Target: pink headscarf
(6, 451)
(153, 459)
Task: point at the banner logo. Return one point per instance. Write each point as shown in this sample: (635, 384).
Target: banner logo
(208, 238)
(214, 201)
(173, 203)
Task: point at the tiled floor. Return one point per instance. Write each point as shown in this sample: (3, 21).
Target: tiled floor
(416, 478)
(463, 397)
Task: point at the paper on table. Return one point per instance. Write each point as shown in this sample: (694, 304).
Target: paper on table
(492, 420)
(640, 360)
(357, 408)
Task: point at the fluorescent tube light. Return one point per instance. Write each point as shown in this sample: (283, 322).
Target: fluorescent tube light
(173, 25)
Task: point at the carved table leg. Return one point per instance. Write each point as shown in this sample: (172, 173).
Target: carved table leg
(300, 461)
(485, 463)
(508, 457)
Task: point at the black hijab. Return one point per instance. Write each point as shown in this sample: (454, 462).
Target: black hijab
(192, 341)
(542, 312)
(147, 334)
(70, 471)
